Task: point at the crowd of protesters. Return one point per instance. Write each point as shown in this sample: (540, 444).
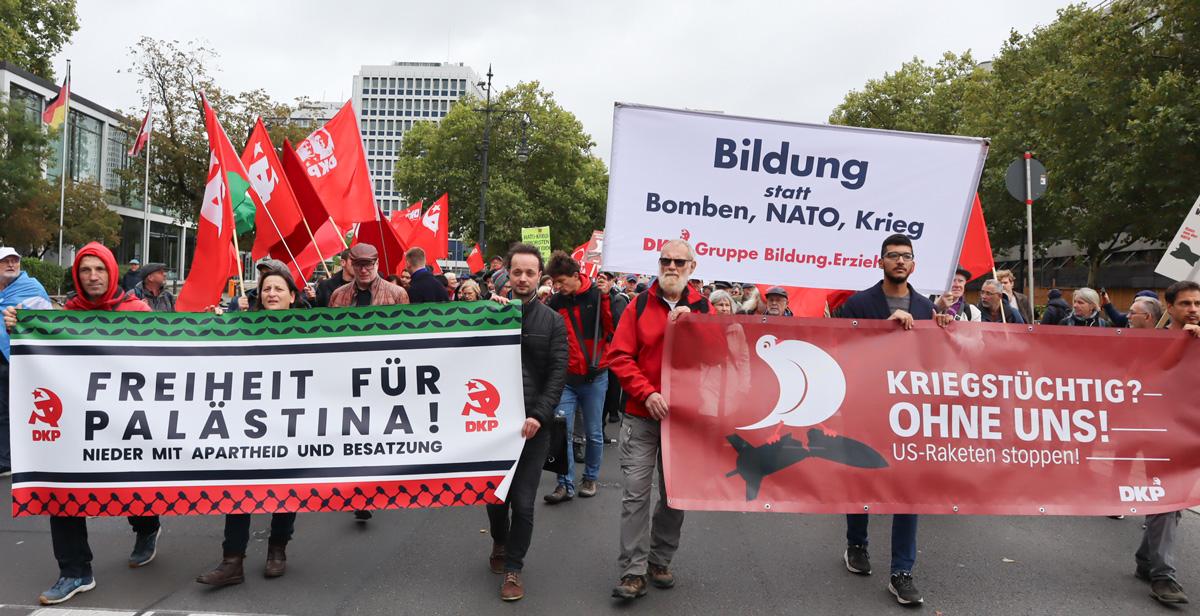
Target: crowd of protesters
(592, 344)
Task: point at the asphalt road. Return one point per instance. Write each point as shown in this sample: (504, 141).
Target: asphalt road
(433, 561)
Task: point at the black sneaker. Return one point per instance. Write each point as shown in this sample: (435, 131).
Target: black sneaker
(144, 549)
(857, 559)
(1167, 590)
(362, 515)
(905, 591)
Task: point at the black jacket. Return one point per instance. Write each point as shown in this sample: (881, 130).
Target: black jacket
(425, 289)
(1057, 309)
(131, 279)
(325, 288)
(1010, 314)
(1093, 321)
(872, 304)
(618, 301)
(543, 360)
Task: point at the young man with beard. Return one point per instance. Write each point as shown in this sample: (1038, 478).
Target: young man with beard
(97, 288)
(892, 299)
(543, 372)
(648, 543)
(17, 290)
(1156, 555)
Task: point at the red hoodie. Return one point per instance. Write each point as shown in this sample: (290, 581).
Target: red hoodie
(115, 298)
(636, 353)
(580, 310)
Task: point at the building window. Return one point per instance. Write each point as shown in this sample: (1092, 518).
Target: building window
(117, 158)
(29, 100)
(85, 147)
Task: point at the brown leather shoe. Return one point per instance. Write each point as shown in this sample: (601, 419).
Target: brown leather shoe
(511, 589)
(276, 560)
(496, 560)
(661, 577)
(631, 587)
(228, 573)
(559, 495)
(587, 488)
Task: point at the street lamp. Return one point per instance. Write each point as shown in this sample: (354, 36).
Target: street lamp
(522, 150)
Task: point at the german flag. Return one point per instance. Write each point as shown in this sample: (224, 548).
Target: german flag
(56, 109)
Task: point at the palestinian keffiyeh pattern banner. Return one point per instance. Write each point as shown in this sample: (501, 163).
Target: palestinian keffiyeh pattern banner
(322, 410)
(846, 416)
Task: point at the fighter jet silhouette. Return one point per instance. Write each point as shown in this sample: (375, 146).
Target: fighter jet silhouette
(755, 463)
(1183, 252)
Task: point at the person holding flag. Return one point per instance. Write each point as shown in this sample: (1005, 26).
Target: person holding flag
(95, 276)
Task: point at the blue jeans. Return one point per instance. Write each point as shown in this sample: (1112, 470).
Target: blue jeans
(589, 396)
(904, 538)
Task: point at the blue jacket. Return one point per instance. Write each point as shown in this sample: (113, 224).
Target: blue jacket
(25, 293)
(872, 304)
(424, 288)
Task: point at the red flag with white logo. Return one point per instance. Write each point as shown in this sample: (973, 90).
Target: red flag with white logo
(279, 217)
(406, 220)
(336, 165)
(433, 233)
(329, 236)
(475, 260)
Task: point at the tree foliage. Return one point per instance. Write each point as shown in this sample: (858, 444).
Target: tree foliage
(33, 31)
(1108, 100)
(24, 147)
(562, 184)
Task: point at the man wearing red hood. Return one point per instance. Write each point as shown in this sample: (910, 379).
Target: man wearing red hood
(96, 288)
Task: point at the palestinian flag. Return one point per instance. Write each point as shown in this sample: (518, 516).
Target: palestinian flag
(56, 108)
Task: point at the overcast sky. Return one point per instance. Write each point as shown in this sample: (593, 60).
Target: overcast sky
(790, 60)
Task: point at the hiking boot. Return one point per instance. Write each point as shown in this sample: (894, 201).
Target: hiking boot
(227, 573)
(276, 560)
(857, 559)
(560, 495)
(1167, 590)
(496, 560)
(144, 549)
(587, 488)
(660, 576)
(65, 588)
(631, 587)
(905, 591)
(362, 515)
(511, 589)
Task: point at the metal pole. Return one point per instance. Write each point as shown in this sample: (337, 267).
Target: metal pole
(487, 133)
(182, 249)
(146, 208)
(62, 191)
(1029, 229)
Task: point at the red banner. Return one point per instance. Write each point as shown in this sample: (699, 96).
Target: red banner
(842, 416)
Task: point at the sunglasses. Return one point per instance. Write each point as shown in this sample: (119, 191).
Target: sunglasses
(679, 263)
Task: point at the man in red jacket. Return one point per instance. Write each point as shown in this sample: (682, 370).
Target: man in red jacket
(635, 356)
(96, 288)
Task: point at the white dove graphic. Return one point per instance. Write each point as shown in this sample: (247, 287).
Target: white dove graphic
(811, 383)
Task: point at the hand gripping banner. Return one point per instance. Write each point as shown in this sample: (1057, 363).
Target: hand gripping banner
(320, 410)
(842, 416)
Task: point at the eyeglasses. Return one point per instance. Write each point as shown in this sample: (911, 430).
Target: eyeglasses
(899, 256)
(679, 263)
(364, 263)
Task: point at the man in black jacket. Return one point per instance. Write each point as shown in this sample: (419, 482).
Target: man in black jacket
(895, 300)
(424, 288)
(544, 372)
(1057, 308)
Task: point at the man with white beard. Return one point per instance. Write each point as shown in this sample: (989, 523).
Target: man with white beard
(17, 289)
(635, 356)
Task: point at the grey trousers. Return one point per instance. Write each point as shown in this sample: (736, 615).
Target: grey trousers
(644, 538)
(1156, 556)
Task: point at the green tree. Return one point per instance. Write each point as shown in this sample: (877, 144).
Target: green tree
(33, 31)
(562, 184)
(24, 148)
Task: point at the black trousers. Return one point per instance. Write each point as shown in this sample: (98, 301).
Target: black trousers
(516, 533)
(237, 531)
(70, 540)
(614, 399)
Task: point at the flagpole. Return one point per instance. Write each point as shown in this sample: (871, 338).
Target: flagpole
(238, 257)
(313, 238)
(62, 191)
(283, 240)
(146, 204)
(379, 226)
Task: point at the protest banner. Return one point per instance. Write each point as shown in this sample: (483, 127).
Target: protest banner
(538, 237)
(359, 408)
(1181, 261)
(784, 203)
(845, 416)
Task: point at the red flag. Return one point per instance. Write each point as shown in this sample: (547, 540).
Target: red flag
(143, 136)
(475, 260)
(215, 227)
(587, 267)
(976, 254)
(330, 238)
(335, 162)
(405, 221)
(380, 234)
(279, 216)
(433, 233)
